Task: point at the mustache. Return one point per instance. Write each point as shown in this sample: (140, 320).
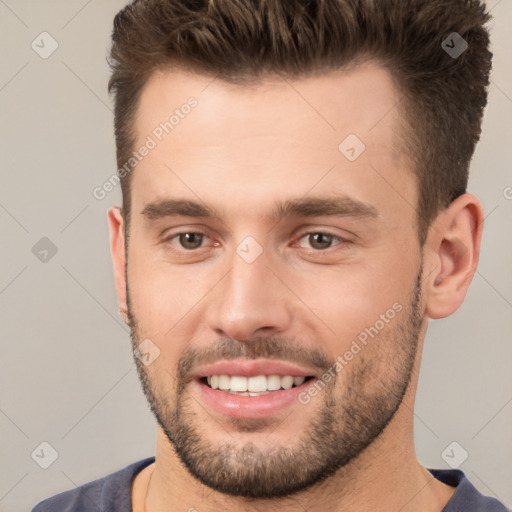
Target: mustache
(259, 347)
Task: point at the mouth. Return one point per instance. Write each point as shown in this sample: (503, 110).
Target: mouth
(251, 389)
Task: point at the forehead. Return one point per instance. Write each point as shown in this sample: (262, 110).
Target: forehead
(275, 132)
(353, 100)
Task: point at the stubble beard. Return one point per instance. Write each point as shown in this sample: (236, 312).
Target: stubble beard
(345, 423)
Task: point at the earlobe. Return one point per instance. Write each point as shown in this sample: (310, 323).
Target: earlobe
(452, 251)
(117, 250)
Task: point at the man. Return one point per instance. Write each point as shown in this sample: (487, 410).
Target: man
(294, 211)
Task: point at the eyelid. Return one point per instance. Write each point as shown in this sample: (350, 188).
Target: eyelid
(172, 232)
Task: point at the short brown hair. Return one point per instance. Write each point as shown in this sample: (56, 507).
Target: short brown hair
(245, 40)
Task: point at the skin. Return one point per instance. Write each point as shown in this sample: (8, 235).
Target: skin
(240, 150)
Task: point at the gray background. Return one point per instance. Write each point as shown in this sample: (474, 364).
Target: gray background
(66, 370)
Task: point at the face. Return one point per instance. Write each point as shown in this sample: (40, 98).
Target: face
(277, 270)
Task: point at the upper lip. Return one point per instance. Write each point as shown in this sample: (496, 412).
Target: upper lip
(253, 368)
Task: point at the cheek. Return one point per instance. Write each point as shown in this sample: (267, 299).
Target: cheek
(158, 296)
(167, 299)
(348, 300)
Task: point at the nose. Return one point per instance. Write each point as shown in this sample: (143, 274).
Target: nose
(250, 300)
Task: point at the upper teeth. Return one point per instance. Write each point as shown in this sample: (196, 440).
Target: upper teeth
(238, 383)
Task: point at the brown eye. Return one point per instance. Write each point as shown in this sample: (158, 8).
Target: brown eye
(320, 240)
(191, 240)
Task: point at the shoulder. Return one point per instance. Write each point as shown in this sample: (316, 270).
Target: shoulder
(466, 497)
(110, 493)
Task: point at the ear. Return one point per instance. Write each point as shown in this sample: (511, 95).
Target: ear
(117, 250)
(451, 255)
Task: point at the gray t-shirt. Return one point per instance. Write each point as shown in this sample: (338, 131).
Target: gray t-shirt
(112, 493)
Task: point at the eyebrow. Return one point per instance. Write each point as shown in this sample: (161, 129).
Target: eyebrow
(341, 206)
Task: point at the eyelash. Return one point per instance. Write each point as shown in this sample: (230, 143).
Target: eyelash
(341, 240)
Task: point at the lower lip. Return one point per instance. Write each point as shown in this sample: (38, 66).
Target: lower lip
(239, 406)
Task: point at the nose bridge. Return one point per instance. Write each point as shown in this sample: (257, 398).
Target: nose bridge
(250, 298)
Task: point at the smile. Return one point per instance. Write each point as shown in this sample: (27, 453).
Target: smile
(251, 388)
